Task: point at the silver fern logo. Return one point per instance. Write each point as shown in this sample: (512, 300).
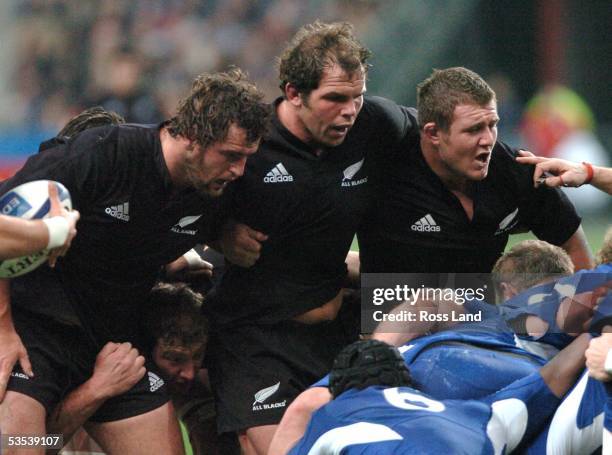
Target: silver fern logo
(179, 227)
(351, 172)
(263, 395)
(508, 222)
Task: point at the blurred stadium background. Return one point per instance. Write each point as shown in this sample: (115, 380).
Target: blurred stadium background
(549, 61)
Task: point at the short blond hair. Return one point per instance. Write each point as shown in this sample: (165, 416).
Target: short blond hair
(604, 255)
(530, 262)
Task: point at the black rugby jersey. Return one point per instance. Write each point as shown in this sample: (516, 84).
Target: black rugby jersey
(310, 207)
(419, 225)
(133, 221)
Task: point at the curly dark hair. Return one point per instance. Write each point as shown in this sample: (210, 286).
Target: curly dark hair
(215, 103)
(440, 93)
(318, 46)
(173, 316)
(90, 118)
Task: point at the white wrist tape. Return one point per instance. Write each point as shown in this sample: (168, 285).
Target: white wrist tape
(193, 258)
(59, 228)
(608, 362)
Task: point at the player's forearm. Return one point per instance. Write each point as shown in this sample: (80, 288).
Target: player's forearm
(73, 412)
(6, 321)
(20, 237)
(561, 372)
(602, 178)
(577, 247)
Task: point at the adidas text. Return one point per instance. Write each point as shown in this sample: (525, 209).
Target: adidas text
(278, 178)
(422, 228)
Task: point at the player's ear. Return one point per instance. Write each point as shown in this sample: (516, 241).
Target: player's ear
(432, 132)
(191, 147)
(293, 95)
(508, 291)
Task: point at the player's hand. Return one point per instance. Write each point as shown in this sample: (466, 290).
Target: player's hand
(118, 368)
(241, 244)
(559, 172)
(190, 266)
(12, 351)
(596, 357)
(72, 216)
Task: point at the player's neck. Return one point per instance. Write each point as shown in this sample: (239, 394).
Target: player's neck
(455, 183)
(173, 149)
(290, 119)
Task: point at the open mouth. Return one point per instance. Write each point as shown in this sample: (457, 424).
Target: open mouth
(341, 129)
(483, 157)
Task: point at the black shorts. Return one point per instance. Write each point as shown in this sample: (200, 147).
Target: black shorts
(256, 371)
(62, 358)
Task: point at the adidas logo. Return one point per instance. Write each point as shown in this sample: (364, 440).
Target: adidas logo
(278, 174)
(426, 224)
(155, 382)
(121, 211)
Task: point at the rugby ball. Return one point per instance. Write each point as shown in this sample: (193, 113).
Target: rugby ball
(29, 201)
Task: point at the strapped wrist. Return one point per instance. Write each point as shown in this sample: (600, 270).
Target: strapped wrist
(590, 172)
(58, 228)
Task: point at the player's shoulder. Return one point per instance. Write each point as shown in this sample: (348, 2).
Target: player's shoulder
(385, 120)
(503, 161)
(383, 107)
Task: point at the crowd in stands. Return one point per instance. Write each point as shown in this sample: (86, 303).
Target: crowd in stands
(136, 57)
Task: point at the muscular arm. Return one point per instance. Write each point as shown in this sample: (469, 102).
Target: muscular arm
(295, 420)
(118, 367)
(19, 237)
(561, 372)
(578, 249)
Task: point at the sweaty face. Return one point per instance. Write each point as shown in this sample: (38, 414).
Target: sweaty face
(179, 365)
(210, 170)
(329, 111)
(465, 149)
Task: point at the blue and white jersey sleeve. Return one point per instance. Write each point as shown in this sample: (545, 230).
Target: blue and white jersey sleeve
(518, 412)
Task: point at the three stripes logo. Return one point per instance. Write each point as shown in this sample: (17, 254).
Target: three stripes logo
(426, 224)
(278, 174)
(121, 211)
(155, 382)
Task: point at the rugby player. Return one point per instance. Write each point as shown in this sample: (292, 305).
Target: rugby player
(378, 409)
(451, 194)
(452, 364)
(275, 325)
(146, 195)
